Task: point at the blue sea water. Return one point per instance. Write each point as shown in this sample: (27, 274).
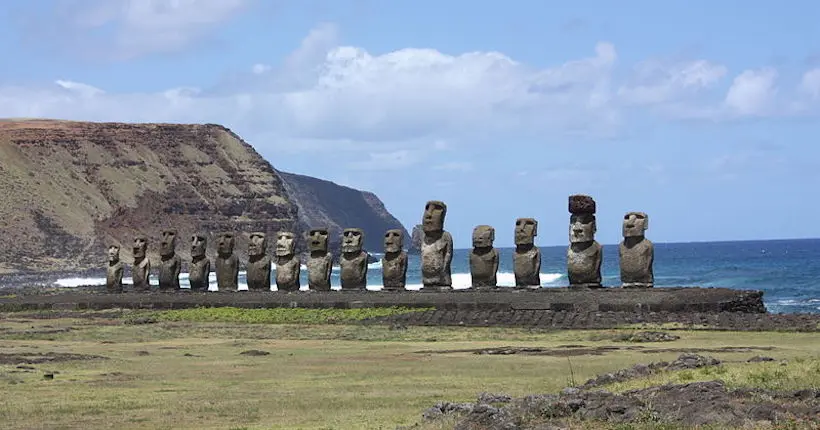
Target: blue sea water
(788, 271)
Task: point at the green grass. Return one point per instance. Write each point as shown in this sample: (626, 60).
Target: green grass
(178, 373)
(273, 316)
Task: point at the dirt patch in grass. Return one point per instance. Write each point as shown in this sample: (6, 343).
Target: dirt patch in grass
(44, 357)
(578, 350)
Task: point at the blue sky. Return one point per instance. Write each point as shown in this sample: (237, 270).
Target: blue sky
(704, 115)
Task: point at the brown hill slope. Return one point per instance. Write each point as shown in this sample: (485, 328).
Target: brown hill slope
(326, 204)
(68, 189)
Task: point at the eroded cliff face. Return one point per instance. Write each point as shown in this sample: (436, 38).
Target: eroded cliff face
(326, 204)
(69, 189)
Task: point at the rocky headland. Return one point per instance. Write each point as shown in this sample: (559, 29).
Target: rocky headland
(70, 189)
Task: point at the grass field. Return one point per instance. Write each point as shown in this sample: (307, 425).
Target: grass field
(186, 369)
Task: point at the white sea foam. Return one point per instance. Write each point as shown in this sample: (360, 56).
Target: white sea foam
(460, 280)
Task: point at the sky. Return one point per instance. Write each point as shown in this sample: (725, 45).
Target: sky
(703, 115)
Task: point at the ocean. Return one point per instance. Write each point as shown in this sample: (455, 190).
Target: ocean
(788, 271)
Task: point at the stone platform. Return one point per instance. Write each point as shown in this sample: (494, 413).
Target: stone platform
(681, 299)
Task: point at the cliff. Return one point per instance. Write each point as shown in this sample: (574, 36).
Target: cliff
(69, 189)
(323, 203)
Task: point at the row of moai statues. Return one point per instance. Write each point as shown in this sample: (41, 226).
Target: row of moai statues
(353, 261)
(584, 256)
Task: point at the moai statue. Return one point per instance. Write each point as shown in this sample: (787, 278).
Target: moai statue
(394, 263)
(227, 263)
(258, 270)
(169, 262)
(436, 247)
(584, 254)
(353, 260)
(484, 258)
(288, 265)
(113, 272)
(636, 252)
(527, 256)
(320, 262)
(200, 269)
(142, 266)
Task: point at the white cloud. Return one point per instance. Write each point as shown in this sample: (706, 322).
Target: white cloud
(655, 82)
(810, 84)
(455, 166)
(393, 160)
(752, 92)
(124, 29)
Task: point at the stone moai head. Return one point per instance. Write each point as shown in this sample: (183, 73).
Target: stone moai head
(434, 213)
(352, 240)
(140, 247)
(225, 244)
(393, 241)
(483, 236)
(113, 254)
(168, 243)
(199, 244)
(582, 225)
(525, 231)
(258, 244)
(317, 239)
(285, 243)
(635, 224)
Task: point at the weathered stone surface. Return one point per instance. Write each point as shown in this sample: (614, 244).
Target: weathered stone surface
(484, 258)
(353, 261)
(320, 261)
(288, 264)
(394, 263)
(200, 268)
(142, 266)
(259, 263)
(436, 247)
(584, 255)
(114, 270)
(227, 263)
(416, 238)
(170, 264)
(527, 256)
(580, 204)
(636, 252)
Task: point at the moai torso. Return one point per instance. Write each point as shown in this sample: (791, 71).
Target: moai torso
(636, 252)
(259, 263)
(353, 261)
(141, 270)
(584, 254)
(200, 269)
(114, 270)
(483, 258)
(227, 263)
(169, 264)
(288, 265)
(527, 256)
(436, 247)
(320, 262)
(394, 263)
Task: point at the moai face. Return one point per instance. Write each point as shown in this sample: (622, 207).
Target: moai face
(582, 228)
(168, 244)
(483, 236)
(199, 244)
(140, 246)
(225, 244)
(525, 231)
(393, 241)
(317, 240)
(113, 254)
(258, 244)
(352, 239)
(285, 243)
(434, 213)
(635, 224)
